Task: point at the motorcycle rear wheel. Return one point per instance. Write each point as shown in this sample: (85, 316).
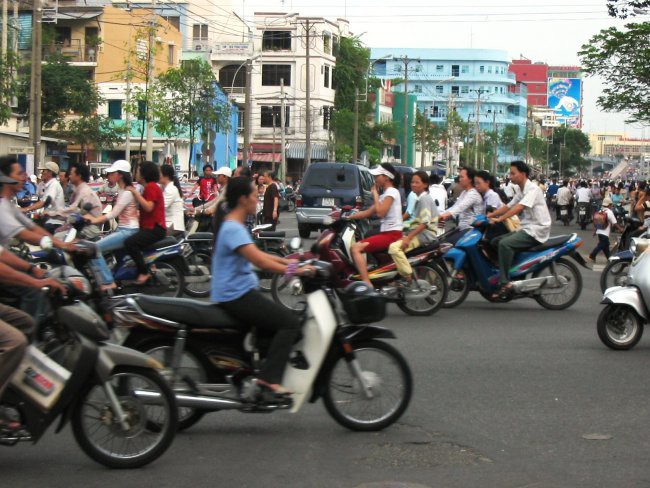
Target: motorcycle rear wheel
(619, 327)
(199, 290)
(569, 271)
(389, 376)
(613, 274)
(173, 274)
(433, 275)
(99, 433)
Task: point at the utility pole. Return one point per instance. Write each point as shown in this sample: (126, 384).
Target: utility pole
(478, 126)
(127, 114)
(423, 137)
(35, 92)
(450, 132)
(150, 79)
(496, 143)
(275, 122)
(307, 97)
(283, 160)
(5, 33)
(405, 148)
(355, 146)
(247, 113)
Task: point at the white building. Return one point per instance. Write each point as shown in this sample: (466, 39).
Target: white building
(277, 44)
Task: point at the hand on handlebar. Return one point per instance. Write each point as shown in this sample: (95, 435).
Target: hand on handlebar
(54, 286)
(306, 270)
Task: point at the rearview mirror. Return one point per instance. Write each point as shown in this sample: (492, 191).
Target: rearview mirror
(295, 243)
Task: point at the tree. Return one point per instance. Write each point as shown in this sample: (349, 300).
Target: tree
(187, 98)
(427, 135)
(620, 57)
(96, 130)
(9, 64)
(352, 62)
(626, 8)
(568, 148)
(510, 139)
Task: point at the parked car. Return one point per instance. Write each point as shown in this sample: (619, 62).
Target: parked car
(327, 185)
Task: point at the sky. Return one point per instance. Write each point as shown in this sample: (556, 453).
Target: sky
(551, 31)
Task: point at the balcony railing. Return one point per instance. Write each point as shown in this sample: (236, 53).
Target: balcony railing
(234, 90)
(74, 51)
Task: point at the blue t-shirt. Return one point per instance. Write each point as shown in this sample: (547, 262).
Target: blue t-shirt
(232, 274)
(552, 189)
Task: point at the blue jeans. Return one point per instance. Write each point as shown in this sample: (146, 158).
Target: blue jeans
(110, 243)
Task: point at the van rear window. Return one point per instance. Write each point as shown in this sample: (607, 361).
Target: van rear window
(331, 178)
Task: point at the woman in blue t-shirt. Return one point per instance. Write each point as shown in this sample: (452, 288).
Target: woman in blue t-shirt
(235, 285)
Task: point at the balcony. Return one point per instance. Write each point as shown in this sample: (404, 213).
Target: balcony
(73, 51)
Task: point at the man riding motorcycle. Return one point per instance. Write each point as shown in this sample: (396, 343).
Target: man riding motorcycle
(49, 190)
(530, 204)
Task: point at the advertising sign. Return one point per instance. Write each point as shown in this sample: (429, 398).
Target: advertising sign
(565, 98)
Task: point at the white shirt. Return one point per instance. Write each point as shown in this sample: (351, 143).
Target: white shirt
(583, 195)
(535, 218)
(564, 196)
(439, 194)
(468, 205)
(174, 214)
(611, 219)
(491, 199)
(509, 190)
(393, 218)
(54, 190)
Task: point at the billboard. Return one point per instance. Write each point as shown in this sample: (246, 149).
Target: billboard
(565, 98)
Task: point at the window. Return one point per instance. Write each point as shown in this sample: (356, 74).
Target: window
(455, 70)
(481, 69)
(328, 111)
(496, 89)
(417, 89)
(175, 21)
(455, 90)
(489, 70)
(327, 43)
(276, 41)
(170, 54)
(273, 73)
(333, 78)
(464, 69)
(326, 76)
(115, 109)
(233, 75)
(200, 32)
(439, 89)
(271, 116)
(142, 110)
(435, 113)
(241, 112)
(464, 89)
(440, 68)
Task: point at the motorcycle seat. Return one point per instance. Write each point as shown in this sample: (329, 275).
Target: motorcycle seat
(423, 249)
(271, 235)
(165, 242)
(552, 242)
(201, 236)
(193, 313)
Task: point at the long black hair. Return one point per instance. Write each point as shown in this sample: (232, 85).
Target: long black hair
(396, 175)
(149, 172)
(238, 187)
(167, 170)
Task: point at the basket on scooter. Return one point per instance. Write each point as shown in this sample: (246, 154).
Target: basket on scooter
(362, 304)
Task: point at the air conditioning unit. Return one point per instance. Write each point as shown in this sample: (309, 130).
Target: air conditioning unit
(199, 47)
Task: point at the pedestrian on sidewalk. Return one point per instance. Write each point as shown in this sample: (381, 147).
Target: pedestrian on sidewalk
(603, 229)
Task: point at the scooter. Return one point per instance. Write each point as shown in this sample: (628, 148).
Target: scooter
(365, 383)
(271, 242)
(584, 214)
(615, 272)
(335, 246)
(541, 273)
(74, 375)
(620, 324)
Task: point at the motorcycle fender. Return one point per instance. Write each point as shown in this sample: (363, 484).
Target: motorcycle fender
(457, 256)
(318, 332)
(112, 355)
(581, 261)
(357, 333)
(626, 295)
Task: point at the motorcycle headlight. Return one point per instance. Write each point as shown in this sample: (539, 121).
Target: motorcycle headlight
(639, 245)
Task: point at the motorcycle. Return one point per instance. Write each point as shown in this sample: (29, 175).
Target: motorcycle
(620, 213)
(565, 214)
(74, 375)
(270, 242)
(335, 246)
(541, 273)
(584, 214)
(615, 272)
(620, 324)
(365, 383)
(197, 253)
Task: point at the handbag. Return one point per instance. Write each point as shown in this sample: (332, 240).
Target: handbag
(512, 223)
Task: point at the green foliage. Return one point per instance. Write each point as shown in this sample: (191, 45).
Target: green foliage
(9, 64)
(620, 58)
(427, 135)
(625, 8)
(510, 139)
(568, 147)
(97, 130)
(351, 71)
(343, 153)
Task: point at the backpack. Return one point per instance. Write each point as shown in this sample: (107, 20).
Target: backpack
(600, 220)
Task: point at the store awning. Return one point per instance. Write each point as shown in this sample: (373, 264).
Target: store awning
(72, 15)
(263, 157)
(296, 150)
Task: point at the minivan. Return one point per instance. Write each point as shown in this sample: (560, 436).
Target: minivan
(327, 185)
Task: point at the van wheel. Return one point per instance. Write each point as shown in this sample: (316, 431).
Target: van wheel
(304, 231)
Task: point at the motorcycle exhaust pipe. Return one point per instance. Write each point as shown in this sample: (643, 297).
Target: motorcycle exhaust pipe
(192, 401)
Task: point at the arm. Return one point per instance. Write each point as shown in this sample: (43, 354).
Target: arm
(10, 275)
(145, 204)
(462, 205)
(506, 212)
(262, 260)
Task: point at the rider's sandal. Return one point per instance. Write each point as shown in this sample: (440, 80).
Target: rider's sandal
(273, 389)
(10, 427)
(504, 291)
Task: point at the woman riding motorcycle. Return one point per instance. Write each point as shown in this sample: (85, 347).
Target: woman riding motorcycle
(387, 206)
(236, 289)
(126, 212)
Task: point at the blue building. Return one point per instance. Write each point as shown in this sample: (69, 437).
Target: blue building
(473, 82)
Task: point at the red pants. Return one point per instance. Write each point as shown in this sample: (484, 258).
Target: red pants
(380, 242)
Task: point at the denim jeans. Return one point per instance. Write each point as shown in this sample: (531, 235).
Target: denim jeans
(109, 243)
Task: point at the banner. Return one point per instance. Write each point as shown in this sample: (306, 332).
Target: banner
(565, 98)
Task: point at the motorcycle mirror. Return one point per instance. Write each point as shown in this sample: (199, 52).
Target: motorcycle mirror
(295, 243)
(87, 207)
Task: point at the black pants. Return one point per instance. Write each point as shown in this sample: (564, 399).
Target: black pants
(254, 309)
(269, 220)
(135, 244)
(603, 245)
(32, 301)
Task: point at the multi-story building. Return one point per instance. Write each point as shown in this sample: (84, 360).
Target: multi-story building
(475, 83)
(277, 45)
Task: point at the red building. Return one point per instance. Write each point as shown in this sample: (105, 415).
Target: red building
(535, 76)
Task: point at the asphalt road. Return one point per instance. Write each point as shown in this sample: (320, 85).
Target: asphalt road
(507, 395)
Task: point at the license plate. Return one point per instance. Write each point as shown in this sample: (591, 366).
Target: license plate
(583, 212)
(564, 212)
(327, 202)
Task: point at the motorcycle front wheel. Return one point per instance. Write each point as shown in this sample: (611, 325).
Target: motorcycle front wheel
(614, 274)
(457, 289)
(386, 374)
(433, 276)
(288, 293)
(619, 327)
(150, 425)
